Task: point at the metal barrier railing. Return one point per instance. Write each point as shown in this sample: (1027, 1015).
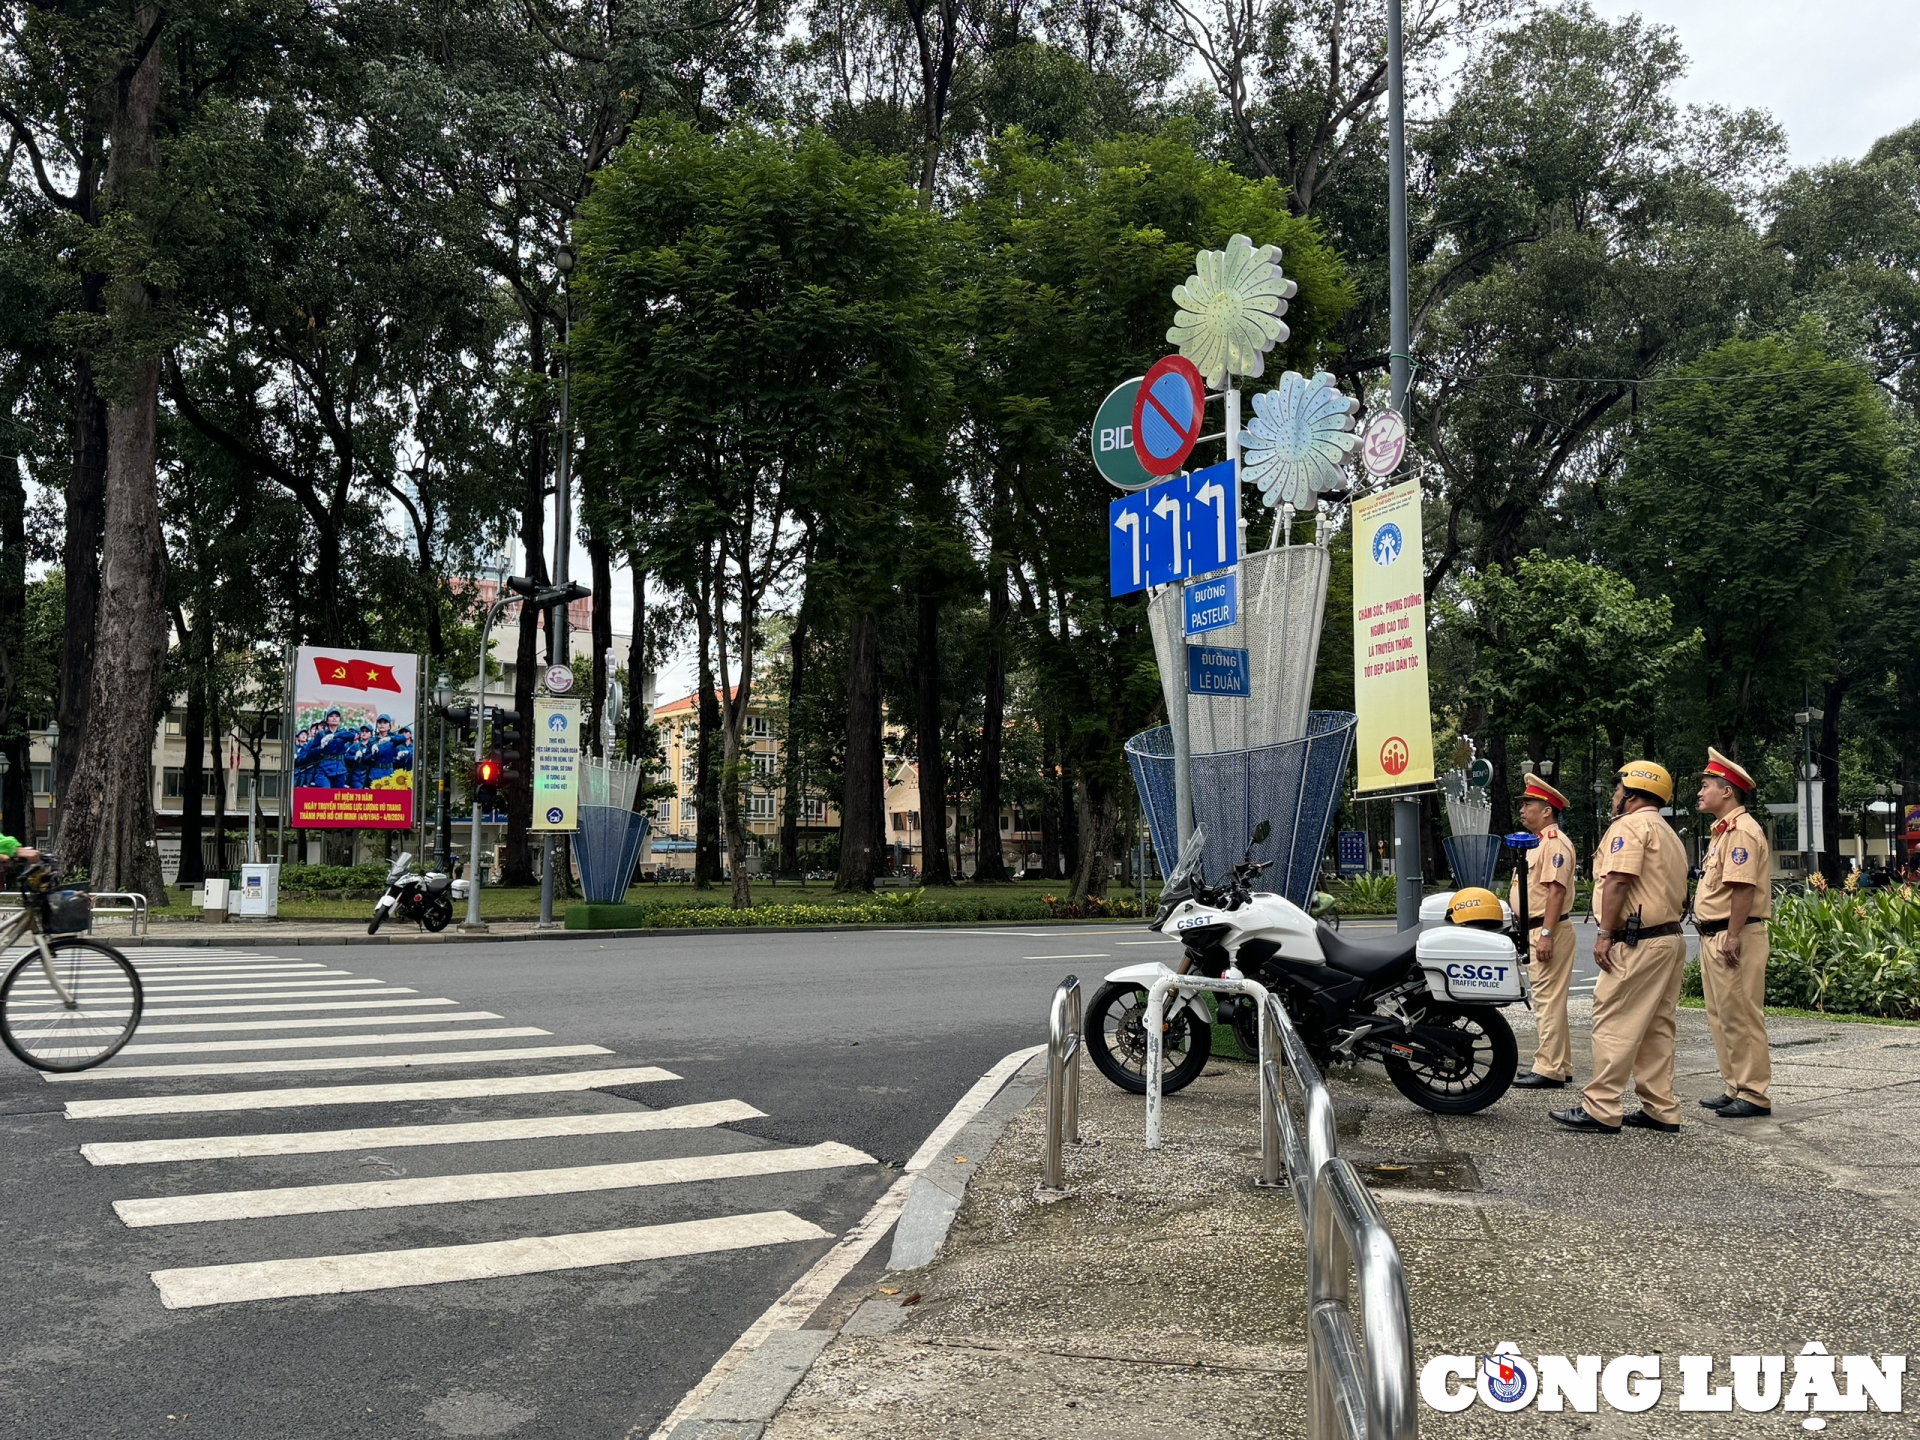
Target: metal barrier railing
(1356, 1390)
(1064, 1044)
(135, 905)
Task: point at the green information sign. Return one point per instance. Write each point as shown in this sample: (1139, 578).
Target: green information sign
(1113, 453)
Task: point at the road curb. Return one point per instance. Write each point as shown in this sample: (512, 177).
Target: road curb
(233, 935)
(745, 1390)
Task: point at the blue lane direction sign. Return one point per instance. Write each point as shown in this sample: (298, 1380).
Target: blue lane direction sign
(1213, 519)
(1166, 507)
(1216, 670)
(1127, 522)
(1213, 602)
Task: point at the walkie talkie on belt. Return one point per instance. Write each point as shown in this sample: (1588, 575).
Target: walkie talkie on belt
(1630, 933)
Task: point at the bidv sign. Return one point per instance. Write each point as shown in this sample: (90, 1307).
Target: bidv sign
(1758, 1384)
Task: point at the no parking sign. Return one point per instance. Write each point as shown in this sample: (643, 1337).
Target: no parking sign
(1167, 415)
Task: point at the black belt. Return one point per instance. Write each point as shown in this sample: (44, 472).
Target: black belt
(1648, 932)
(1719, 927)
(1534, 922)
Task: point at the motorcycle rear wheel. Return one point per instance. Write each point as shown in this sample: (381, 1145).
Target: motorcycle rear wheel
(1116, 1040)
(1493, 1054)
(437, 916)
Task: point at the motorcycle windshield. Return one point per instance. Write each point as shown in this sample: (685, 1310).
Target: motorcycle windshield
(400, 866)
(1189, 867)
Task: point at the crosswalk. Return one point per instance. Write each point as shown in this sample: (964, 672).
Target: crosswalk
(304, 1006)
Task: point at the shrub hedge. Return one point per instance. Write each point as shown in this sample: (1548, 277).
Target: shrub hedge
(1843, 952)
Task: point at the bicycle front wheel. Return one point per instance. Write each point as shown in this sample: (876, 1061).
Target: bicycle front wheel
(97, 1017)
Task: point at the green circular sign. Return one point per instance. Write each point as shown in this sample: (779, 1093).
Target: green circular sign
(1112, 439)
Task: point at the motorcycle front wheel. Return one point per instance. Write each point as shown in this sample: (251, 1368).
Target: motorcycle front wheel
(437, 916)
(1481, 1067)
(373, 925)
(1116, 1039)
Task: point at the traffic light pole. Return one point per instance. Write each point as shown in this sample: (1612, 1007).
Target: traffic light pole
(473, 922)
(557, 617)
(1407, 865)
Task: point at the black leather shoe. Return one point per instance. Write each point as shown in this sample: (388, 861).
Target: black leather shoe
(1640, 1120)
(1716, 1102)
(1533, 1080)
(1742, 1110)
(1578, 1119)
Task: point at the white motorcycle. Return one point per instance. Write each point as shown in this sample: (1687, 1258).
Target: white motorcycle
(426, 899)
(1424, 1003)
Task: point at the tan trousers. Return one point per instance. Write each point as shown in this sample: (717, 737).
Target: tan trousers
(1553, 1055)
(1635, 1016)
(1735, 997)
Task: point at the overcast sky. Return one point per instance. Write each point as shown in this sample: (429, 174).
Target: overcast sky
(1838, 74)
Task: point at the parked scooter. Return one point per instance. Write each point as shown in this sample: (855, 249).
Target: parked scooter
(1425, 1004)
(427, 899)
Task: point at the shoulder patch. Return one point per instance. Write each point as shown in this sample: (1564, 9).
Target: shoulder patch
(1619, 843)
(1740, 855)
(1558, 859)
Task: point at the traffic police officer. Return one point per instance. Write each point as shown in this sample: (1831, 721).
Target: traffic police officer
(1641, 870)
(1730, 911)
(1551, 866)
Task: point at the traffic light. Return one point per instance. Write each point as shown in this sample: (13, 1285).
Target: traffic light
(486, 781)
(461, 718)
(508, 747)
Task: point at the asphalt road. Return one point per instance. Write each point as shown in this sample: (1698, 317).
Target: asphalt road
(842, 1040)
(161, 1317)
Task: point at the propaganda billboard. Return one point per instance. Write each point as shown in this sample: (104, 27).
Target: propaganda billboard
(353, 719)
(1390, 641)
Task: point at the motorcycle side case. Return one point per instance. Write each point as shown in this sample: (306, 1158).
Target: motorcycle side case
(1471, 967)
(1145, 975)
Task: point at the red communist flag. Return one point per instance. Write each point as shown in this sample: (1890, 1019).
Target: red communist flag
(356, 674)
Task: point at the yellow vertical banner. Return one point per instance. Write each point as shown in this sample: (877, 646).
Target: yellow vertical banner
(1395, 739)
(556, 765)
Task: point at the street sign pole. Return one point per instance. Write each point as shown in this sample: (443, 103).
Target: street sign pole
(1406, 812)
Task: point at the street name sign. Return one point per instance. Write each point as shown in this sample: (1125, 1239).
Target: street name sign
(1216, 670)
(1213, 602)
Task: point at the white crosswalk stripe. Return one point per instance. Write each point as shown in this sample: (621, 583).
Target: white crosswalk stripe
(306, 1006)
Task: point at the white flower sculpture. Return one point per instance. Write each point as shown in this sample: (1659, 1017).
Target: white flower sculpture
(1230, 309)
(1298, 439)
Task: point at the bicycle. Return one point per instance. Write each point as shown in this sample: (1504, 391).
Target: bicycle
(69, 1003)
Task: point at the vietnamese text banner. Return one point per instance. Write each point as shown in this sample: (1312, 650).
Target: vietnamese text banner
(353, 716)
(1395, 740)
(556, 764)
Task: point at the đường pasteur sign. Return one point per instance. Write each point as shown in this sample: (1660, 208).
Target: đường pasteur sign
(353, 718)
(1395, 733)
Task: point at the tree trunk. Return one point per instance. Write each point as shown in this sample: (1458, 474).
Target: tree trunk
(990, 862)
(80, 559)
(193, 860)
(1096, 815)
(217, 728)
(13, 622)
(935, 866)
(1832, 864)
(706, 788)
(1070, 837)
(861, 821)
(601, 557)
(791, 780)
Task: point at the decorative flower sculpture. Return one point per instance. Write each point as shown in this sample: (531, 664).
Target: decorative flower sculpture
(1298, 439)
(1230, 309)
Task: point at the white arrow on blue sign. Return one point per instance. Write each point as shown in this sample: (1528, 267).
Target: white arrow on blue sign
(1189, 525)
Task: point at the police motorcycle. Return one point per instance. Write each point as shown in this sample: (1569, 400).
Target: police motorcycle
(427, 899)
(1425, 1004)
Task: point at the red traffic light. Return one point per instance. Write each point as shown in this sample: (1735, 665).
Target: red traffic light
(487, 771)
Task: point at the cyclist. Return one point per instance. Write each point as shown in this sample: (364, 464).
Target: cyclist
(11, 850)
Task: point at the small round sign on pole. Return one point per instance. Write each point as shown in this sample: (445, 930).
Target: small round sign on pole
(1383, 444)
(1167, 415)
(559, 679)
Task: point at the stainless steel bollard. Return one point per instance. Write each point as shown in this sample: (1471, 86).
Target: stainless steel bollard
(1063, 1080)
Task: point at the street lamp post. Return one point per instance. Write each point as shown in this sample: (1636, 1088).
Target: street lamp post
(475, 870)
(442, 816)
(557, 636)
(1806, 719)
(53, 783)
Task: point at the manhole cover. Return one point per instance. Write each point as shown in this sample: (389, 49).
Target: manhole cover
(1442, 1172)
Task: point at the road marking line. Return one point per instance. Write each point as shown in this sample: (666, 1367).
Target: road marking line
(331, 1062)
(438, 1265)
(243, 995)
(998, 934)
(260, 967)
(793, 1309)
(304, 1042)
(320, 1022)
(282, 1008)
(383, 1137)
(177, 987)
(376, 1094)
(490, 1185)
(1146, 942)
(968, 1106)
(1095, 955)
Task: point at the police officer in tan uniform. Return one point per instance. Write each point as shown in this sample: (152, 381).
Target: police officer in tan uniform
(1641, 870)
(1730, 910)
(1551, 866)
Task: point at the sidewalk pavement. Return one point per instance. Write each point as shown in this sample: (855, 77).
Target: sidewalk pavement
(1166, 1297)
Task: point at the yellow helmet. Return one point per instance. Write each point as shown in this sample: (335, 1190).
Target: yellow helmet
(1474, 906)
(1648, 776)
